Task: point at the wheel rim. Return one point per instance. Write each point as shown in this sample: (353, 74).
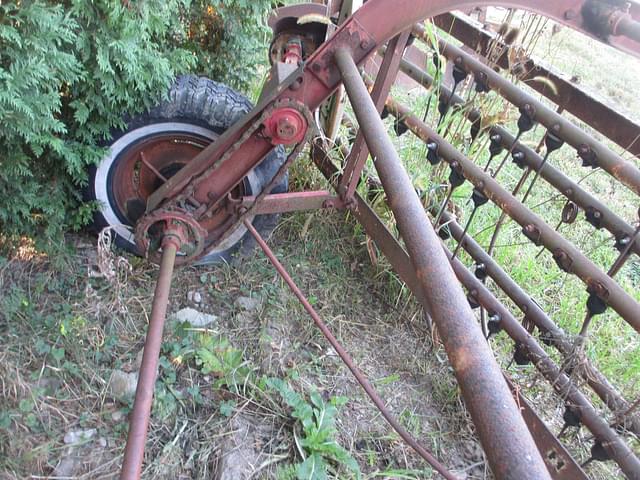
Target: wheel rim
(132, 169)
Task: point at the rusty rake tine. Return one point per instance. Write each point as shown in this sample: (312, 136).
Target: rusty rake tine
(506, 155)
(553, 143)
(619, 262)
(443, 206)
(464, 233)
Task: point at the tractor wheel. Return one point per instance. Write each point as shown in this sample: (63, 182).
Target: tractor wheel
(156, 144)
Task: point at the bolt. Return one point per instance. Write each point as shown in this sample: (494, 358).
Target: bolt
(328, 204)
(556, 128)
(287, 128)
(598, 289)
(458, 60)
(364, 44)
(584, 149)
(297, 83)
(563, 260)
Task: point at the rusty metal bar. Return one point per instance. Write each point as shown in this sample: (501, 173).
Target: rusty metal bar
(570, 189)
(534, 227)
(563, 385)
(139, 417)
(616, 166)
(290, 202)
(570, 96)
(560, 463)
(629, 28)
(549, 330)
(510, 449)
(379, 93)
(346, 358)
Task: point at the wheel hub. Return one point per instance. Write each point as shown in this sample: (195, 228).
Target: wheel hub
(142, 169)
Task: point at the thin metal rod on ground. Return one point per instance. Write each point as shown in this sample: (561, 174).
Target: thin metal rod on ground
(346, 358)
(139, 418)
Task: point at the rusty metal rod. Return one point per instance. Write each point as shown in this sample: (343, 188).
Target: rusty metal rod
(570, 189)
(508, 444)
(346, 358)
(532, 224)
(382, 86)
(139, 417)
(614, 164)
(566, 389)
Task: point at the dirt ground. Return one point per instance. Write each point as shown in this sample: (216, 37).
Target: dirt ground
(85, 325)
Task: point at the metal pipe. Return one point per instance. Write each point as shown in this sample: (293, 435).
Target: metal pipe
(400, 261)
(346, 358)
(533, 226)
(139, 417)
(629, 28)
(570, 189)
(615, 165)
(510, 449)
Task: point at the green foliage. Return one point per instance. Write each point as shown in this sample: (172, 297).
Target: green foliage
(318, 428)
(215, 355)
(70, 71)
(228, 33)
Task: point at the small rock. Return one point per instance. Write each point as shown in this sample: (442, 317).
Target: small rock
(117, 416)
(194, 317)
(122, 385)
(239, 453)
(67, 467)
(79, 436)
(248, 303)
(103, 442)
(194, 297)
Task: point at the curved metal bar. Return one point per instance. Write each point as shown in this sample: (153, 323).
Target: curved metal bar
(533, 226)
(346, 358)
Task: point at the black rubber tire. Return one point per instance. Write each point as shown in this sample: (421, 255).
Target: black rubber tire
(197, 106)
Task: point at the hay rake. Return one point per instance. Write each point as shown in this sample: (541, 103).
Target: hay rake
(312, 62)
